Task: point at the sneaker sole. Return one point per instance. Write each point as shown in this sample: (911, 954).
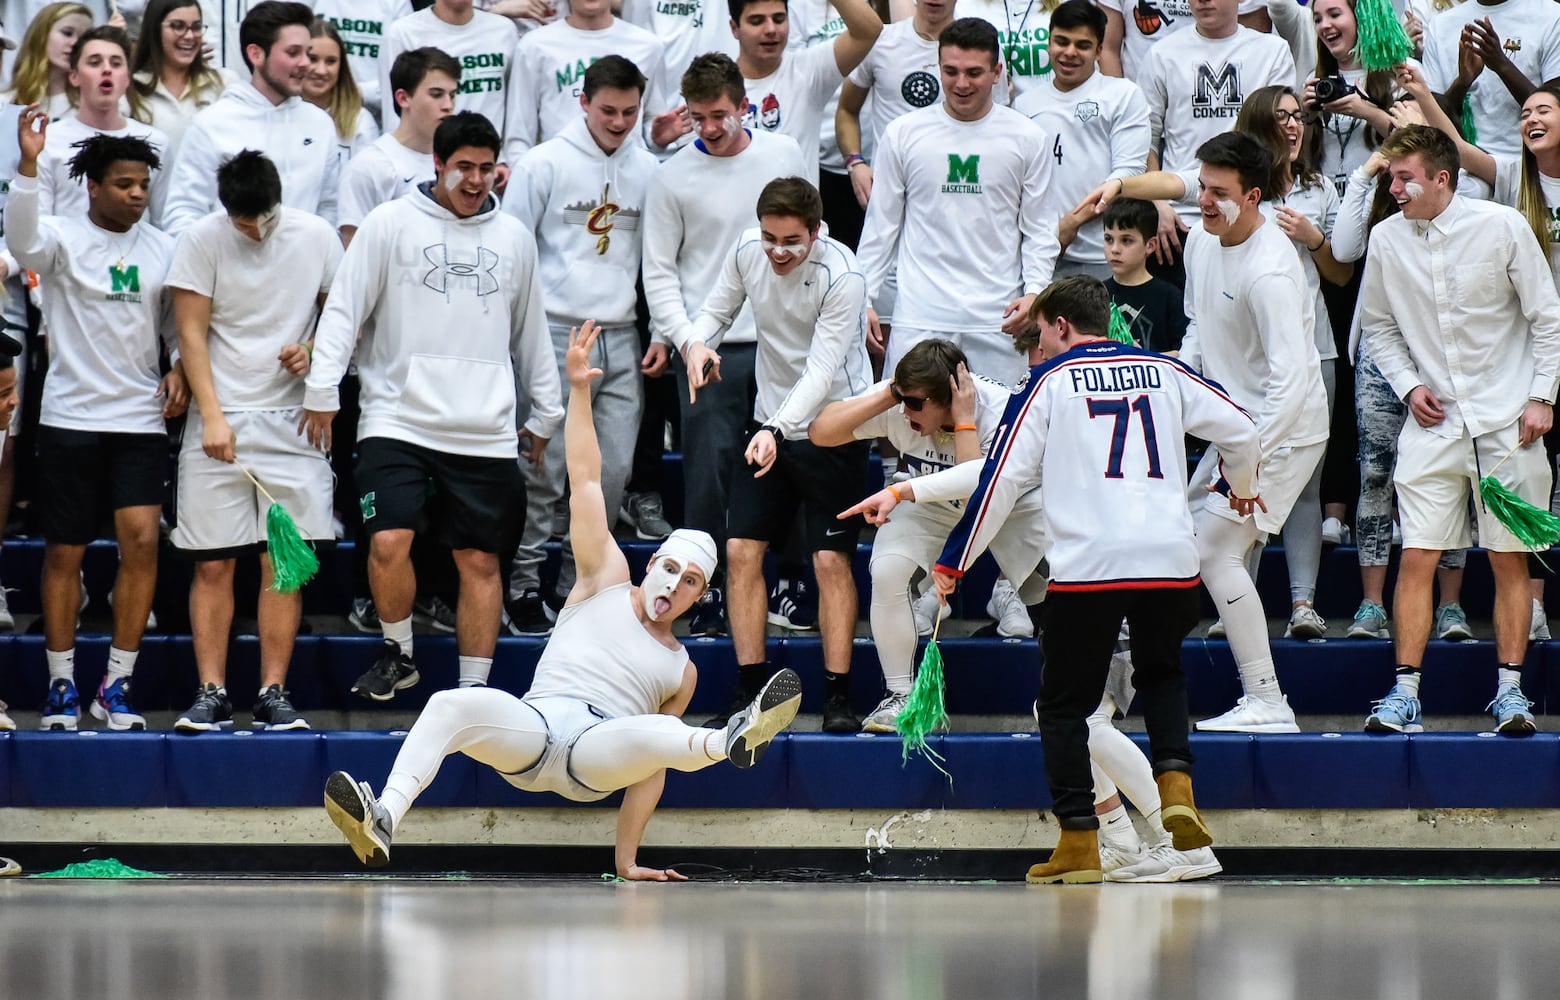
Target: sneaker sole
(1361, 633)
(1264, 727)
(1305, 633)
(58, 724)
(778, 703)
(433, 623)
(285, 727)
(1180, 873)
(781, 621)
(410, 680)
(362, 626)
(1519, 725)
(1091, 876)
(879, 727)
(1187, 830)
(345, 807)
(103, 715)
(186, 726)
(1375, 725)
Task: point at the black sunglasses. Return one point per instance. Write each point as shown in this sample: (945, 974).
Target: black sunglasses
(912, 403)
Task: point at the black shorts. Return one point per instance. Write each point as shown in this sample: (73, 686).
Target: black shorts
(820, 481)
(84, 476)
(469, 502)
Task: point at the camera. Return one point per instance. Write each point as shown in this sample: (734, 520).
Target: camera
(1332, 88)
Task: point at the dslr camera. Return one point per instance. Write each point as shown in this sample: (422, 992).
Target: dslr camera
(1332, 88)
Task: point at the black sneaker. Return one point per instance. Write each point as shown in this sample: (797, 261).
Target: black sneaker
(709, 615)
(838, 718)
(212, 711)
(792, 606)
(529, 614)
(751, 729)
(273, 712)
(643, 513)
(364, 616)
(434, 613)
(394, 672)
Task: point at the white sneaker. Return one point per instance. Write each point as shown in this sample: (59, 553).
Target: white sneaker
(885, 718)
(926, 608)
(1166, 864)
(1334, 532)
(1012, 617)
(1305, 623)
(151, 616)
(1540, 627)
(6, 722)
(1253, 715)
(7, 620)
(1113, 858)
(1216, 630)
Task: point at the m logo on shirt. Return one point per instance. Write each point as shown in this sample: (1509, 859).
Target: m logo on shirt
(444, 269)
(920, 89)
(124, 284)
(963, 174)
(1218, 92)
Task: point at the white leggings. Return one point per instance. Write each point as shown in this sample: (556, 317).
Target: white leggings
(495, 728)
(1224, 548)
(1118, 764)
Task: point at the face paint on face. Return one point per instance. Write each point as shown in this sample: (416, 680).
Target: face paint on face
(452, 179)
(1414, 189)
(268, 223)
(732, 125)
(782, 253)
(1229, 210)
(660, 581)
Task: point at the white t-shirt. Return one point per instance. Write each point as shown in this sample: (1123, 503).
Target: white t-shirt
(383, 172)
(900, 74)
(251, 321)
(1146, 23)
(484, 47)
(1099, 130)
(921, 455)
(687, 28)
(59, 195)
(1530, 35)
(1508, 182)
(1023, 30)
(362, 25)
(549, 76)
(791, 100)
(363, 136)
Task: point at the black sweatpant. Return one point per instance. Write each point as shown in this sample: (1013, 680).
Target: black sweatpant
(1080, 630)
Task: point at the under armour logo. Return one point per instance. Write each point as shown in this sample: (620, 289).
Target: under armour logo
(438, 278)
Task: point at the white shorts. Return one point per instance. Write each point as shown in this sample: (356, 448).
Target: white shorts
(221, 514)
(566, 719)
(1436, 476)
(918, 532)
(1280, 481)
(990, 353)
(887, 297)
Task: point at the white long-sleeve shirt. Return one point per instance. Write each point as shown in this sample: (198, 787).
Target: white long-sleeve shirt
(1465, 305)
(106, 314)
(458, 325)
(812, 328)
(697, 206)
(1105, 424)
(295, 135)
(484, 47)
(961, 208)
(1099, 131)
(1250, 328)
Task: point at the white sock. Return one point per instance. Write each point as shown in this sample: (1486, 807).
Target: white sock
(714, 743)
(1505, 675)
(1156, 824)
(1116, 829)
(121, 662)
(395, 802)
(62, 664)
(1409, 683)
(399, 633)
(474, 670)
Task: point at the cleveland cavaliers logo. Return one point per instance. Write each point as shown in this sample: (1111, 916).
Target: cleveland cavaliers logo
(1148, 18)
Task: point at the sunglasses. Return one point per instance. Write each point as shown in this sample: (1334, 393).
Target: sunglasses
(911, 403)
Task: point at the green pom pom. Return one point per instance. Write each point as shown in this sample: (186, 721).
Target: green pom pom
(293, 562)
(1382, 43)
(99, 868)
(1534, 527)
(924, 712)
(1119, 330)
(1469, 130)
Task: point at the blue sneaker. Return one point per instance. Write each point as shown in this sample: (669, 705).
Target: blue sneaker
(60, 712)
(1510, 709)
(1398, 712)
(112, 705)
(1370, 622)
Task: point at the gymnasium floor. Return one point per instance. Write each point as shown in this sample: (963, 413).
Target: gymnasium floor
(344, 939)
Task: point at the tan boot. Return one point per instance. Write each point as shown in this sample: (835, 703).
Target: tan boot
(1075, 860)
(1178, 812)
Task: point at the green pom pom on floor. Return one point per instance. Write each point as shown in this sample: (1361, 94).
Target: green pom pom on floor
(99, 868)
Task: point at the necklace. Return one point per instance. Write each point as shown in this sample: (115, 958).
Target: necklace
(123, 249)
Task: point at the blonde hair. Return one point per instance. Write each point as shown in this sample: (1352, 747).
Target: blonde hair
(346, 100)
(30, 79)
(1530, 192)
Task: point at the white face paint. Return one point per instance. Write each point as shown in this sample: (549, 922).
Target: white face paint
(452, 179)
(1229, 210)
(732, 125)
(661, 580)
(781, 254)
(268, 223)
(1413, 189)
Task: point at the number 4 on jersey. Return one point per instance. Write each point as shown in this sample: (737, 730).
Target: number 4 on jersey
(1056, 149)
(1122, 411)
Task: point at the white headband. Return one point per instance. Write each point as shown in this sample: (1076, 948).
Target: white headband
(691, 547)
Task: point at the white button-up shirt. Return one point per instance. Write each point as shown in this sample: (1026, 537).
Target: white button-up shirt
(1465, 305)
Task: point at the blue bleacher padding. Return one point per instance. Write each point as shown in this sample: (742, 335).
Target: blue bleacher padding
(1484, 770)
(726, 787)
(863, 771)
(90, 768)
(5, 769)
(1330, 771)
(995, 771)
(244, 769)
(368, 756)
(1223, 772)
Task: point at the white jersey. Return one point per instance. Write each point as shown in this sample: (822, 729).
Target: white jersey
(1250, 328)
(961, 208)
(383, 172)
(59, 195)
(1107, 423)
(1508, 181)
(549, 76)
(362, 25)
(602, 655)
(697, 206)
(1023, 30)
(791, 100)
(1099, 130)
(105, 316)
(1146, 23)
(1530, 36)
(922, 456)
(484, 47)
(1195, 89)
(900, 75)
(250, 322)
(812, 328)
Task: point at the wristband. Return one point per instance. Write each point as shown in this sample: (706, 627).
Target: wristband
(894, 489)
(853, 159)
(775, 431)
(1318, 247)
(965, 427)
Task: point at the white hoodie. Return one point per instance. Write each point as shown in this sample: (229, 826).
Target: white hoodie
(297, 136)
(452, 316)
(586, 209)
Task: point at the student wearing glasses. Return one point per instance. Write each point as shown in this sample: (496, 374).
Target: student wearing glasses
(171, 74)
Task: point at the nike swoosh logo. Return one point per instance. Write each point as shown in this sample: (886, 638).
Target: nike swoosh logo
(1228, 296)
(1234, 599)
(408, 180)
(836, 531)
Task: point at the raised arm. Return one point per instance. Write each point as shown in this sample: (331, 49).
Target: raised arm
(836, 423)
(1474, 160)
(35, 246)
(599, 561)
(862, 27)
